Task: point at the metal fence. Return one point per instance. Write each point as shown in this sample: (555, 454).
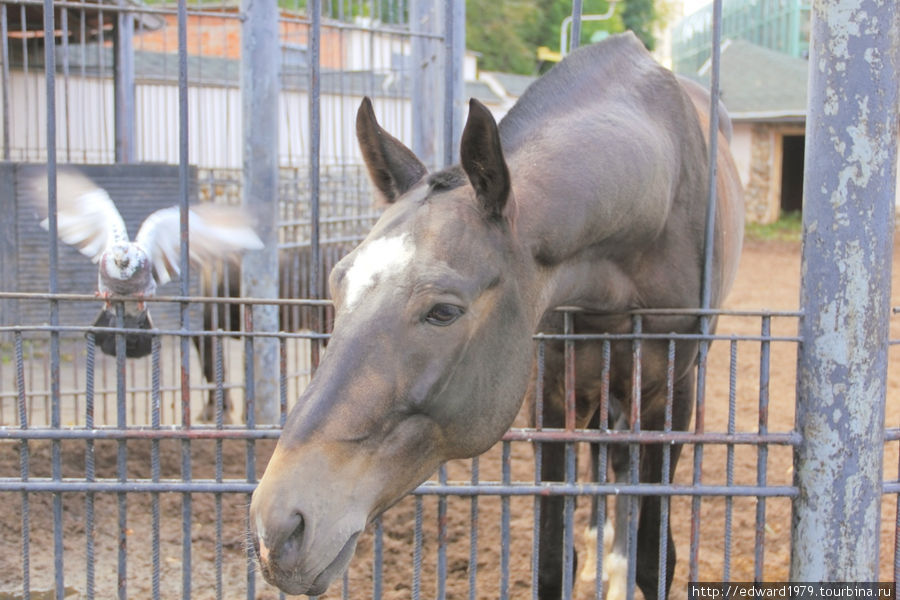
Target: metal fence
(113, 484)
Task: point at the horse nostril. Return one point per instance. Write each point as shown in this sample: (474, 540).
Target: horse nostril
(293, 544)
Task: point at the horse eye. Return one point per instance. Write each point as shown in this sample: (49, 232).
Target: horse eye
(443, 314)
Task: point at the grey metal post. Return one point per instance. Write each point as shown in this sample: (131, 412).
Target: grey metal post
(260, 66)
(848, 225)
(454, 83)
(123, 80)
(424, 20)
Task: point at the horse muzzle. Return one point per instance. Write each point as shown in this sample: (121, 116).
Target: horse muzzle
(304, 534)
(286, 566)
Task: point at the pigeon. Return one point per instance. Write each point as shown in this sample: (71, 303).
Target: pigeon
(88, 219)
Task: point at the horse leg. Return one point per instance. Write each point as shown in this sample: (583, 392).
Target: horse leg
(647, 576)
(553, 469)
(615, 563)
(206, 350)
(550, 561)
(588, 570)
(204, 347)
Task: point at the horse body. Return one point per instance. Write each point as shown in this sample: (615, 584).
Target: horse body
(590, 193)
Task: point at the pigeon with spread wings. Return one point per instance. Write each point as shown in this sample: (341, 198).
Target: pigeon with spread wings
(88, 219)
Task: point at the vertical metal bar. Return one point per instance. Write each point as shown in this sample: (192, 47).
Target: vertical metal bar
(260, 70)
(24, 467)
(729, 459)
(897, 533)
(184, 340)
(23, 20)
(64, 28)
(454, 53)
(315, 142)
(538, 475)
(848, 227)
(123, 80)
(121, 455)
(706, 288)
(220, 424)
(576, 26)
(378, 560)
(699, 428)
(442, 538)
(155, 467)
(709, 238)
(82, 63)
(55, 448)
(423, 20)
(4, 56)
(89, 465)
(762, 454)
(505, 521)
(282, 380)
(568, 582)
(417, 552)
(473, 534)
(665, 475)
(602, 466)
(250, 461)
(634, 456)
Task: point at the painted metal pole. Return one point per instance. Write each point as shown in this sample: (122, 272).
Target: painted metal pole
(848, 226)
(454, 83)
(260, 67)
(123, 68)
(424, 20)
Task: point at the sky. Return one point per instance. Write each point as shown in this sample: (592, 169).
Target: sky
(691, 6)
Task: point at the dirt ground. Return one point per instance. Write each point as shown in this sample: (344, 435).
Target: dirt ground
(768, 278)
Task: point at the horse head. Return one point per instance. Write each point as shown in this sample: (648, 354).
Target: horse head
(428, 360)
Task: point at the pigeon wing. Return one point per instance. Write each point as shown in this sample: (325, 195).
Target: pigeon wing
(86, 216)
(215, 232)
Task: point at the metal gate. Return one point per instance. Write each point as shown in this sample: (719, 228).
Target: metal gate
(132, 477)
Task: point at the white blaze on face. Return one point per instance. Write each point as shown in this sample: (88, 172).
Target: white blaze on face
(376, 261)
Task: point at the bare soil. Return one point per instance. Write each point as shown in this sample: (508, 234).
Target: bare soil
(768, 278)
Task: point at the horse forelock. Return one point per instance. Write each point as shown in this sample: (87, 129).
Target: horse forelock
(448, 179)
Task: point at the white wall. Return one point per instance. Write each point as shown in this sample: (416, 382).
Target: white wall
(741, 150)
(85, 124)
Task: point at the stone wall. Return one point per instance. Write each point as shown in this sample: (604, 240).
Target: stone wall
(761, 194)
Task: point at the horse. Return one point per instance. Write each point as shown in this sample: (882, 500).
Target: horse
(591, 192)
(294, 276)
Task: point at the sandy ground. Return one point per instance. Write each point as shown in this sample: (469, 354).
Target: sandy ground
(768, 278)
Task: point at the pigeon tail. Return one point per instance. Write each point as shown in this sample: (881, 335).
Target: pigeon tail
(137, 345)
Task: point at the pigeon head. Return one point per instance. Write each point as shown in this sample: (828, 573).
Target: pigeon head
(123, 260)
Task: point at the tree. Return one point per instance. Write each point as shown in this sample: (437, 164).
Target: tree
(508, 33)
(640, 16)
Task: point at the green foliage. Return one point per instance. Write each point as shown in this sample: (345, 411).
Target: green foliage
(507, 33)
(787, 228)
(639, 16)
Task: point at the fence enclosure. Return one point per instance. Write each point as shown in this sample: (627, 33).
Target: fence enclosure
(132, 477)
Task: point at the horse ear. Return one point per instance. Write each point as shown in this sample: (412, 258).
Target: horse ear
(482, 159)
(393, 168)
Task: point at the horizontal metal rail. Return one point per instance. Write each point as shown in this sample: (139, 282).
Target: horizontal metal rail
(514, 435)
(699, 312)
(462, 488)
(134, 8)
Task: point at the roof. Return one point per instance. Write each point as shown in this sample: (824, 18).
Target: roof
(759, 84)
(481, 91)
(91, 11)
(514, 84)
